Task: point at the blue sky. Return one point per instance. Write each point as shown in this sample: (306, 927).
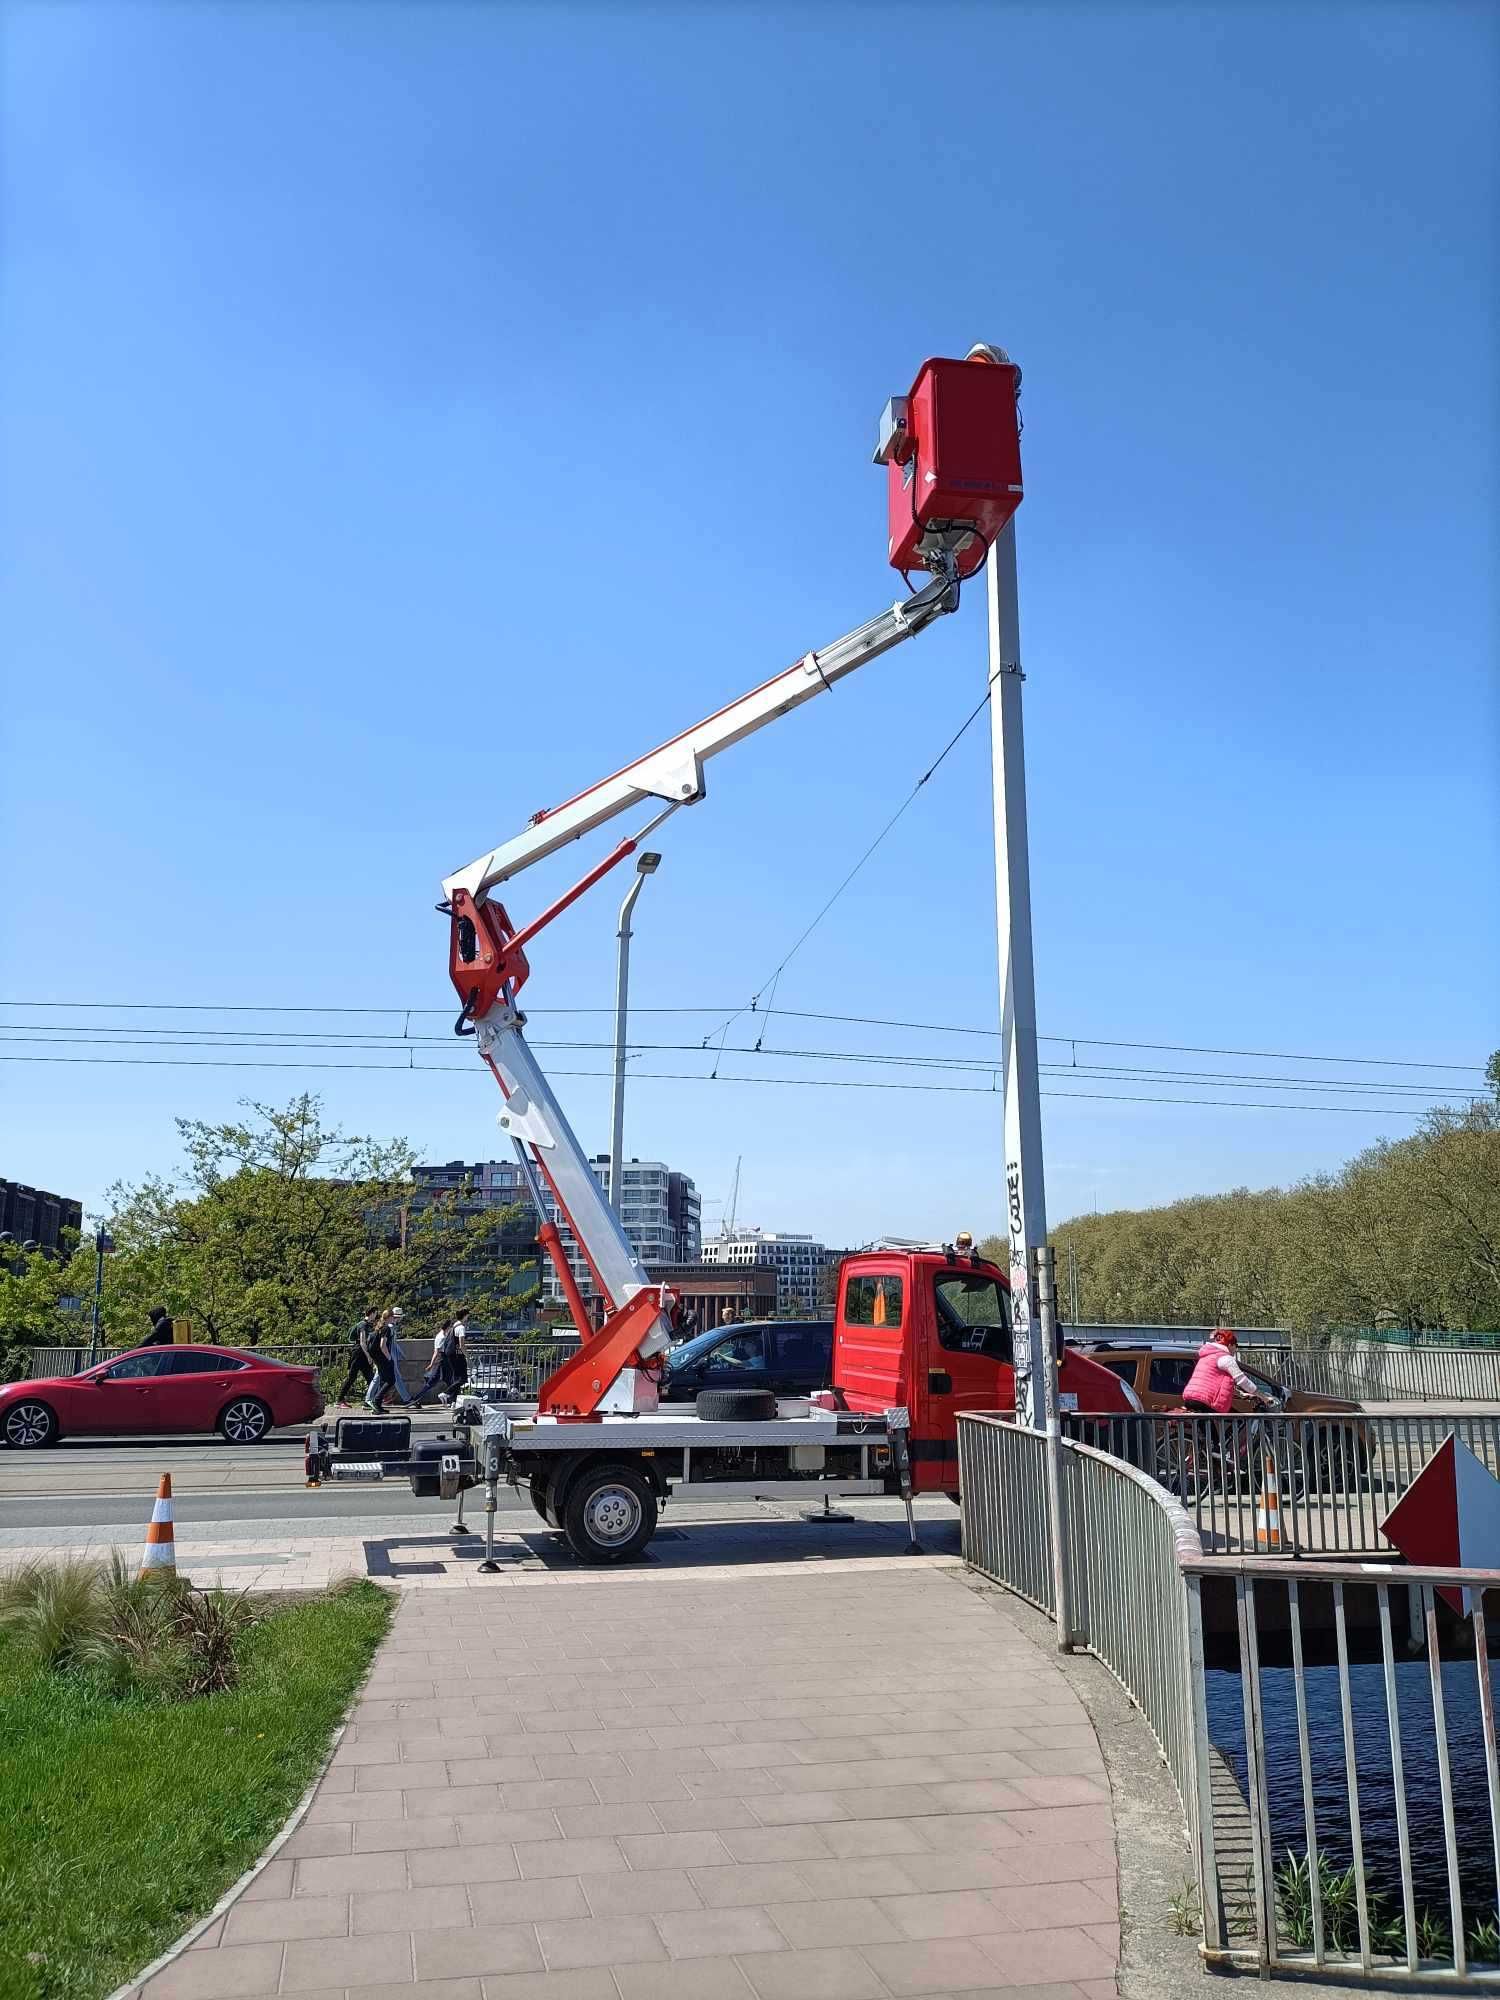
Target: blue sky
(411, 413)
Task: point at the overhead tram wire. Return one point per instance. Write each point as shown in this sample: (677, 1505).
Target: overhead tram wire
(910, 798)
(160, 1035)
(794, 1082)
(278, 1041)
(787, 1013)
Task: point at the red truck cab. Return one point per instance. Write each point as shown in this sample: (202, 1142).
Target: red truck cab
(929, 1331)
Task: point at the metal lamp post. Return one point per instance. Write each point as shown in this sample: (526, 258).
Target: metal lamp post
(1033, 1299)
(1025, 1197)
(646, 865)
(103, 1244)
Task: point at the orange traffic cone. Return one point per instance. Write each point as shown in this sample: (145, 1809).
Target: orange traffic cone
(160, 1552)
(1268, 1512)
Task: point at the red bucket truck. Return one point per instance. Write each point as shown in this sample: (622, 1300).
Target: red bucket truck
(920, 1334)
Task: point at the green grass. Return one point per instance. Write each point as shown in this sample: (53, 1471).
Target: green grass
(123, 1819)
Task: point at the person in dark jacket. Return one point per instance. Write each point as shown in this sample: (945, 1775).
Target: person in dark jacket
(361, 1361)
(386, 1354)
(161, 1328)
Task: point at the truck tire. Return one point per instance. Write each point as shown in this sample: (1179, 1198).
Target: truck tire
(736, 1406)
(540, 1487)
(609, 1514)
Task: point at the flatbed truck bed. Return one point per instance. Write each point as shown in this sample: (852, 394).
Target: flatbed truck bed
(602, 1482)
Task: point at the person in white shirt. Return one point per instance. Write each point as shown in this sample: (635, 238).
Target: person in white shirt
(438, 1370)
(456, 1372)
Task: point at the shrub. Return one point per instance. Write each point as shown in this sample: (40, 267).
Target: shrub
(1340, 1898)
(149, 1635)
(208, 1624)
(56, 1614)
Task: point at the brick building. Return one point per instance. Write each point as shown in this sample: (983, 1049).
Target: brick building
(31, 1215)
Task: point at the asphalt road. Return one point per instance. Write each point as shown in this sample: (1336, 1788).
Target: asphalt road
(111, 1483)
(100, 1490)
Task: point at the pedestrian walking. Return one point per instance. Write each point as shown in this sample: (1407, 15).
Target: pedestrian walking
(395, 1345)
(437, 1373)
(361, 1363)
(458, 1359)
(161, 1328)
(386, 1355)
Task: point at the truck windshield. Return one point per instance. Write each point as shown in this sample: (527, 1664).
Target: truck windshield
(973, 1315)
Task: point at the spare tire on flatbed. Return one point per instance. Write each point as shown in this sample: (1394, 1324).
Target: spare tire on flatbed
(736, 1406)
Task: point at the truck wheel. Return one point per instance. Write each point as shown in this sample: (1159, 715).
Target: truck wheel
(540, 1488)
(736, 1406)
(609, 1514)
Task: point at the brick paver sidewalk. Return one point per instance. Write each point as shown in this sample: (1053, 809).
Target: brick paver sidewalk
(833, 1784)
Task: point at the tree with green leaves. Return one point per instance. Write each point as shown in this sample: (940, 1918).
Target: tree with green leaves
(43, 1298)
(280, 1227)
(1404, 1236)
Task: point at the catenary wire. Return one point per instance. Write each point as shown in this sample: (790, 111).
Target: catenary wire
(317, 1042)
(414, 1068)
(908, 801)
(788, 1013)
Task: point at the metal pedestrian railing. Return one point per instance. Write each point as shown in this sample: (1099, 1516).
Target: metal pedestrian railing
(1343, 1802)
(1379, 1371)
(1288, 1485)
(515, 1368)
(1374, 1804)
(1125, 1545)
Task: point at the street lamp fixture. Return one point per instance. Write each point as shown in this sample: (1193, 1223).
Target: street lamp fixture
(103, 1244)
(646, 864)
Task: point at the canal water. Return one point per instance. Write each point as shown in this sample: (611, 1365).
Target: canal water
(1373, 1768)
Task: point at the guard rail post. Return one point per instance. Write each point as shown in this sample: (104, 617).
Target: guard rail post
(1057, 1488)
(1200, 1814)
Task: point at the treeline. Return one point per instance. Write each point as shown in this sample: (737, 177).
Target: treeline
(1405, 1237)
(278, 1228)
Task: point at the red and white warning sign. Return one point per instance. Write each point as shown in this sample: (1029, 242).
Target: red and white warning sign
(1449, 1517)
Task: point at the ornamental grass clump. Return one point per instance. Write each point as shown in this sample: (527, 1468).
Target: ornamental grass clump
(148, 1635)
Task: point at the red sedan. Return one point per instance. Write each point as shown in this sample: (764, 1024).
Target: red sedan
(162, 1389)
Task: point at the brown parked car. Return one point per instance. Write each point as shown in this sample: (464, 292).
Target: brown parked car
(1158, 1372)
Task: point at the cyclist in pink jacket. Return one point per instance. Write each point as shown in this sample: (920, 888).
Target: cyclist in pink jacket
(1213, 1382)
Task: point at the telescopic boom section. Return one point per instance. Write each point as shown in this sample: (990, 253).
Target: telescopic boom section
(617, 1368)
(673, 774)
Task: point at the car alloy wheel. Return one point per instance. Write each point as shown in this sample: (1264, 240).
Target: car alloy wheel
(27, 1425)
(245, 1422)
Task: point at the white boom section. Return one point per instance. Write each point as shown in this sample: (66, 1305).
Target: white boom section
(533, 1115)
(674, 772)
